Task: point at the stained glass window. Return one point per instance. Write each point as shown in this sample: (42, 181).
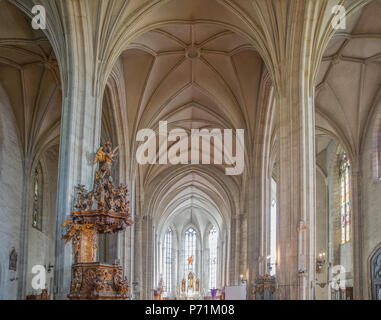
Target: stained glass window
(168, 258)
(345, 194)
(190, 249)
(213, 258)
(37, 200)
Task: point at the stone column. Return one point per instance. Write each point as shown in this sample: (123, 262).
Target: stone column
(243, 245)
(234, 245)
(138, 256)
(221, 265)
(357, 230)
(259, 183)
(148, 256)
(293, 68)
(292, 37)
(297, 192)
(82, 93)
(126, 248)
(24, 234)
(80, 135)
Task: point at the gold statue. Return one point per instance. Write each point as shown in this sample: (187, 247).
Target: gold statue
(190, 280)
(198, 285)
(183, 284)
(105, 156)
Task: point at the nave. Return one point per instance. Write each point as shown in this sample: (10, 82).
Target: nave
(190, 150)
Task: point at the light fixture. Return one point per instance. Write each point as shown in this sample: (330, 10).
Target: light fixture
(320, 262)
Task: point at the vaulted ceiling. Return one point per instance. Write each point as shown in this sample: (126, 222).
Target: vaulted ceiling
(30, 77)
(349, 82)
(195, 76)
(193, 72)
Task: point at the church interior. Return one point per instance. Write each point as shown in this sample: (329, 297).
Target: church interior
(301, 222)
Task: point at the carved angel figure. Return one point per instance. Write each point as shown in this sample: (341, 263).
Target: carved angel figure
(81, 195)
(120, 283)
(89, 201)
(76, 281)
(105, 156)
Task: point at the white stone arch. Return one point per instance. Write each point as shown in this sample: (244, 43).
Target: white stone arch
(115, 95)
(329, 127)
(176, 174)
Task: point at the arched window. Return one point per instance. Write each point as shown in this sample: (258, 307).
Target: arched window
(213, 258)
(345, 195)
(37, 199)
(168, 259)
(190, 249)
(375, 267)
(273, 224)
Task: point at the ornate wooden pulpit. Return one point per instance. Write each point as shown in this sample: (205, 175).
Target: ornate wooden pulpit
(103, 210)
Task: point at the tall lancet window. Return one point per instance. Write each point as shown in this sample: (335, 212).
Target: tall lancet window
(190, 249)
(213, 258)
(37, 199)
(345, 195)
(168, 258)
(273, 227)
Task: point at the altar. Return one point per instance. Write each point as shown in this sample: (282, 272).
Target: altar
(190, 288)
